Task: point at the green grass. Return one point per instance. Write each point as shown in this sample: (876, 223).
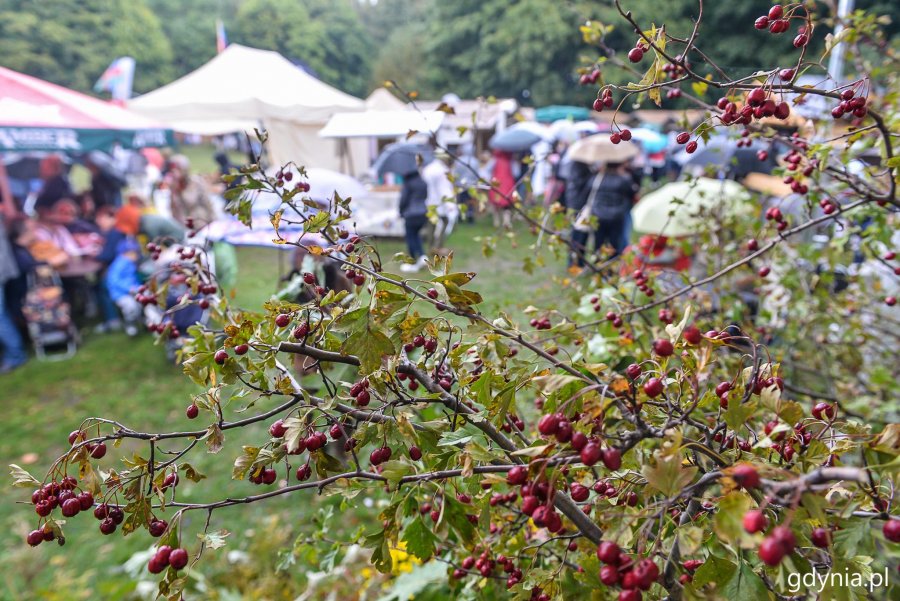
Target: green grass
(129, 380)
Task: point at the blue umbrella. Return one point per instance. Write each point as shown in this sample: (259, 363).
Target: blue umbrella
(650, 140)
(401, 158)
(514, 140)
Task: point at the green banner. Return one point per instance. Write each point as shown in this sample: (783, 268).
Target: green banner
(81, 140)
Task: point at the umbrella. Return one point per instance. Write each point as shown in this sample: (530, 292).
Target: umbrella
(514, 140)
(402, 158)
(770, 185)
(650, 140)
(722, 152)
(38, 115)
(535, 128)
(599, 149)
(549, 114)
(679, 209)
(570, 131)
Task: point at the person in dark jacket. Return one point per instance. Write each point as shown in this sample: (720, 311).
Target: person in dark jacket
(612, 197)
(414, 211)
(578, 186)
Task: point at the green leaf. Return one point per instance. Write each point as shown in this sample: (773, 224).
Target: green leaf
(395, 470)
(419, 539)
(714, 569)
(737, 413)
(668, 476)
(190, 473)
(21, 477)
(371, 346)
(848, 538)
(745, 585)
(243, 462)
(728, 521)
(214, 540)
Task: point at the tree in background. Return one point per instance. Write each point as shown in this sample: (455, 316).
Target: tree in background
(71, 42)
(327, 37)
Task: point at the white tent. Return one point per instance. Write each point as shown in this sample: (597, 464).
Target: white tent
(241, 86)
(382, 100)
(381, 124)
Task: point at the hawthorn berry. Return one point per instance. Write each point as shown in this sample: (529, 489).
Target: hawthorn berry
(891, 530)
(178, 558)
(653, 387)
(755, 521)
(771, 551)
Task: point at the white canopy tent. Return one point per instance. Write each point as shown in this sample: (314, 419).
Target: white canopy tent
(381, 124)
(244, 86)
(382, 100)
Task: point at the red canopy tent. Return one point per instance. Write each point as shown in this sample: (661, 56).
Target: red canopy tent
(38, 115)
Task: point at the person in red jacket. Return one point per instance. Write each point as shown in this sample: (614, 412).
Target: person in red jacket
(503, 184)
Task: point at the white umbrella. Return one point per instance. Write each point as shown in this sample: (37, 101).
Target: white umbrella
(680, 208)
(569, 131)
(599, 149)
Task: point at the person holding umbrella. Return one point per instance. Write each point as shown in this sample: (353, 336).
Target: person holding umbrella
(613, 193)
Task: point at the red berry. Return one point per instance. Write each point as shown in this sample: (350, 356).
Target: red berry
(220, 357)
(157, 527)
(683, 137)
(615, 138)
(277, 429)
(178, 558)
(241, 349)
(71, 507)
(107, 526)
(608, 552)
(34, 538)
(771, 552)
(691, 147)
(820, 537)
(786, 537)
(579, 492)
(890, 301)
(823, 411)
(755, 521)
(745, 475)
(304, 472)
(776, 12)
(612, 459)
(609, 575)
(415, 453)
(549, 424)
(762, 23)
(635, 55)
(517, 475)
(653, 387)
(633, 371)
(663, 347)
(579, 441)
(282, 320)
(301, 331)
(626, 134)
(86, 500)
(591, 453)
(75, 436)
(891, 530)
(692, 335)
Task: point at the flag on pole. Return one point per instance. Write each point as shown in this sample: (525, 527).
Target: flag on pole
(117, 78)
(221, 38)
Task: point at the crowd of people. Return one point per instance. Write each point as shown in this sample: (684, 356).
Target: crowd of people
(91, 241)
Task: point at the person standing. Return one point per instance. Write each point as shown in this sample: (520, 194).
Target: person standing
(441, 197)
(55, 184)
(578, 186)
(190, 199)
(613, 192)
(414, 211)
(503, 184)
(14, 354)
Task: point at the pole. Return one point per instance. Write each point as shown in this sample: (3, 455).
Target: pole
(836, 60)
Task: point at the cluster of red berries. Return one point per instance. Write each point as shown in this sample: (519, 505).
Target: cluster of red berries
(604, 100)
(154, 249)
(311, 280)
(357, 277)
(674, 70)
(485, 565)
(623, 135)
(145, 297)
(96, 450)
(165, 557)
(673, 93)
(641, 280)
(542, 323)
(60, 495)
(850, 104)
(589, 78)
(380, 455)
(775, 214)
(775, 22)
(620, 569)
(360, 392)
(429, 344)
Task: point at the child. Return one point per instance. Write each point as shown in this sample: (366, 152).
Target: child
(122, 280)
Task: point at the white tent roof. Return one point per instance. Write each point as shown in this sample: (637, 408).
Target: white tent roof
(244, 83)
(382, 100)
(381, 124)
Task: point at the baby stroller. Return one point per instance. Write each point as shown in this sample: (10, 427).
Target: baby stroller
(49, 316)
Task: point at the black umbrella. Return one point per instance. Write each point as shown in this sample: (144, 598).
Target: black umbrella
(514, 140)
(402, 158)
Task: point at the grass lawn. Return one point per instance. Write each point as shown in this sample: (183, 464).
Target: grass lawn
(129, 380)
